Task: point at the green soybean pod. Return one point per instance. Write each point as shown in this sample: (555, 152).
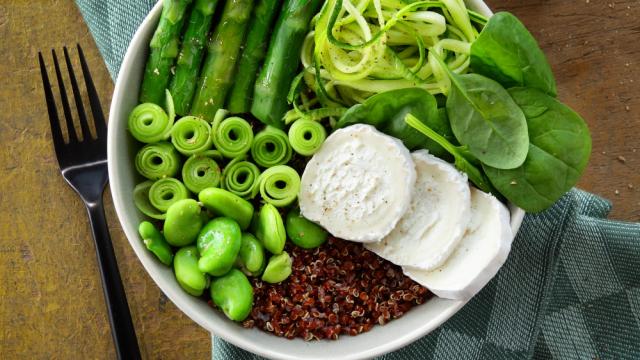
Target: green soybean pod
(155, 242)
(270, 229)
(233, 294)
(240, 177)
(278, 269)
(183, 222)
(149, 123)
(219, 243)
(141, 201)
(271, 147)
(185, 267)
(200, 172)
(251, 256)
(306, 136)
(155, 161)
(231, 136)
(304, 232)
(164, 192)
(279, 185)
(191, 135)
(228, 204)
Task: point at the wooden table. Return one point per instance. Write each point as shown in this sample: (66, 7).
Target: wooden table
(51, 303)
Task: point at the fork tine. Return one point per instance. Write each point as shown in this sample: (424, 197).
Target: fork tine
(94, 101)
(56, 132)
(65, 102)
(86, 134)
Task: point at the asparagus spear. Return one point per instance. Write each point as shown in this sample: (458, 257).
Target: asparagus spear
(280, 67)
(163, 50)
(218, 70)
(183, 83)
(254, 51)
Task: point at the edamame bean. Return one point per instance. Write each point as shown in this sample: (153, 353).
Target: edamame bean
(155, 242)
(270, 229)
(233, 294)
(183, 222)
(303, 232)
(185, 267)
(228, 204)
(251, 256)
(278, 268)
(219, 243)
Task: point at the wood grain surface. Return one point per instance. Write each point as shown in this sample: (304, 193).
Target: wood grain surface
(51, 304)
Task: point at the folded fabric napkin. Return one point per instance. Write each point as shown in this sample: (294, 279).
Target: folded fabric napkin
(569, 289)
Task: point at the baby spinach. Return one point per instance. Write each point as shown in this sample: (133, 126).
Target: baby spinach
(506, 52)
(386, 111)
(559, 150)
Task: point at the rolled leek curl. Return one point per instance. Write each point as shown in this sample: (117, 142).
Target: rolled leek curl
(149, 123)
(156, 161)
(232, 136)
(191, 135)
(141, 200)
(164, 192)
(240, 177)
(306, 136)
(279, 185)
(271, 147)
(200, 172)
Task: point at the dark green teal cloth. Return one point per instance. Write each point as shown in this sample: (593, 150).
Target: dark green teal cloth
(569, 290)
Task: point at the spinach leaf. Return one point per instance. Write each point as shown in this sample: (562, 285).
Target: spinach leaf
(506, 52)
(386, 111)
(560, 145)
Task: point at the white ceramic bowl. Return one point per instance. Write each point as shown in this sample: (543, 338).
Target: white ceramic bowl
(121, 151)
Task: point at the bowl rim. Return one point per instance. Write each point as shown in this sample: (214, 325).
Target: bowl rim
(176, 295)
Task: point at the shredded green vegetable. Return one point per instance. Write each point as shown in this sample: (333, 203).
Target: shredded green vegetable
(240, 177)
(306, 136)
(149, 123)
(271, 147)
(279, 185)
(155, 161)
(191, 135)
(164, 192)
(141, 200)
(200, 172)
(232, 136)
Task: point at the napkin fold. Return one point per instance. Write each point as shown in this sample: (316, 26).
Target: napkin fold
(569, 289)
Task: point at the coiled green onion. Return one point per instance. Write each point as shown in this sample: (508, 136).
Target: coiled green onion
(271, 147)
(155, 161)
(200, 172)
(165, 192)
(240, 177)
(141, 200)
(279, 185)
(191, 135)
(306, 136)
(148, 123)
(232, 136)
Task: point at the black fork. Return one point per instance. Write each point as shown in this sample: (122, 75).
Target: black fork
(83, 163)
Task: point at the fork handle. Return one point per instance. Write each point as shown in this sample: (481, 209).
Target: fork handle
(122, 330)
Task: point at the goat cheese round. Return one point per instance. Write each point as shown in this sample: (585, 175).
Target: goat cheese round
(478, 257)
(359, 184)
(436, 220)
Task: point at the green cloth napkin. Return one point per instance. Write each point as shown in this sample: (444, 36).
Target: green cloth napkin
(570, 288)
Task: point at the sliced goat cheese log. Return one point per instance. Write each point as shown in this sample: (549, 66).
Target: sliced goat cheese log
(359, 184)
(478, 257)
(436, 220)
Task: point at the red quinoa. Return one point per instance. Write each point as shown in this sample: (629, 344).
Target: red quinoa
(339, 288)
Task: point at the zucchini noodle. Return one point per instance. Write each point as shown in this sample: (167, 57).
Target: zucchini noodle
(200, 172)
(164, 192)
(271, 147)
(306, 136)
(279, 185)
(141, 200)
(149, 123)
(232, 136)
(240, 177)
(191, 135)
(156, 161)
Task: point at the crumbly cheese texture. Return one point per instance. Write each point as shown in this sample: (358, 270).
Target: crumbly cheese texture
(478, 257)
(359, 184)
(436, 220)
